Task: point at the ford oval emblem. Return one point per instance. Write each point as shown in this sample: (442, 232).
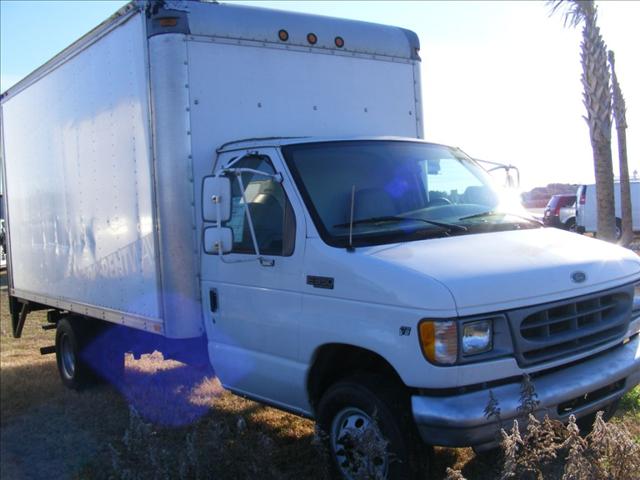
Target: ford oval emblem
(578, 277)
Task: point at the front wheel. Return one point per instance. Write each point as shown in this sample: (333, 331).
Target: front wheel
(369, 431)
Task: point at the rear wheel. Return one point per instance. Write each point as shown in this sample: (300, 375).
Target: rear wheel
(369, 431)
(71, 340)
(570, 225)
(86, 355)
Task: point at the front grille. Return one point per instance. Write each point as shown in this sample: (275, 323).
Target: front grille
(552, 331)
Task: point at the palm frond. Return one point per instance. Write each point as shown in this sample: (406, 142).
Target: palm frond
(574, 12)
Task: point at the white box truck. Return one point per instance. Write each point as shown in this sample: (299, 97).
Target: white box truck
(253, 184)
(586, 214)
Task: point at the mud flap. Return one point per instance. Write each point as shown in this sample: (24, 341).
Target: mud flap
(18, 315)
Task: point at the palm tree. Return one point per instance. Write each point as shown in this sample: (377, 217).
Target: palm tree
(620, 116)
(597, 101)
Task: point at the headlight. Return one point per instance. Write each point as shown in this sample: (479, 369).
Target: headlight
(477, 337)
(439, 341)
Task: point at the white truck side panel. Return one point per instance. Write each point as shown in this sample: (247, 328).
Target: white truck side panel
(80, 191)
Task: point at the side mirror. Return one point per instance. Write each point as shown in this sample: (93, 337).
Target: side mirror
(216, 199)
(217, 240)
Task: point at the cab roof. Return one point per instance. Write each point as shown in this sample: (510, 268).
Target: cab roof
(275, 142)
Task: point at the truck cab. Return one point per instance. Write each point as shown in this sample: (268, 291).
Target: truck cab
(395, 265)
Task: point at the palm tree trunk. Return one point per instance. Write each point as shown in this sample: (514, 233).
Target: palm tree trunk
(604, 191)
(597, 101)
(620, 116)
(625, 189)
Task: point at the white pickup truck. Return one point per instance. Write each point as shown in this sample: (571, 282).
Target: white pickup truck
(333, 264)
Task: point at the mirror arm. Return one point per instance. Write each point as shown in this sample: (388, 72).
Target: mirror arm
(246, 205)
(237, 172)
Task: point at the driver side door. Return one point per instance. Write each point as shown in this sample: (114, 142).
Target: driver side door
(254, 297)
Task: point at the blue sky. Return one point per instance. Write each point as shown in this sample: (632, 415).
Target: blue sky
(501, 80)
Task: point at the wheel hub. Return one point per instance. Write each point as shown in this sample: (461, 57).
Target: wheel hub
(359, 448)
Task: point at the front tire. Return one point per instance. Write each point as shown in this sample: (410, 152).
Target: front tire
(369, 431)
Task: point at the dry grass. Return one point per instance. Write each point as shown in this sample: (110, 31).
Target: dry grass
(187, 425)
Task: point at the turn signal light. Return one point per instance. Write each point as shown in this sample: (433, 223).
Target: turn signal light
(439, 341)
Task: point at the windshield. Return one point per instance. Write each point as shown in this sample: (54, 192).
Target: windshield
(373, 192)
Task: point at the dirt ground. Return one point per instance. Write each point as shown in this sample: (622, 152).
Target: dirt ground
(49, 432)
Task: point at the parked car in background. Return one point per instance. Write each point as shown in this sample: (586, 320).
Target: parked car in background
(560, 212)
(586, 216)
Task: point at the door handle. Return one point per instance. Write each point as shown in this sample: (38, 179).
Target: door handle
(213, 300)
(267, 262)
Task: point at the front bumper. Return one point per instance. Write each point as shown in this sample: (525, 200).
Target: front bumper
(460, 421)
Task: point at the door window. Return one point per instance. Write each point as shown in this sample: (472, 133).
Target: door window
(267, 204)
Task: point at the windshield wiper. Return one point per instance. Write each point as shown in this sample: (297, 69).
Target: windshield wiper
(491, 213)
(449, 226)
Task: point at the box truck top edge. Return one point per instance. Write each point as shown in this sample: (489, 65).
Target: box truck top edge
(318, 33)
(120, 16)
(291, 28)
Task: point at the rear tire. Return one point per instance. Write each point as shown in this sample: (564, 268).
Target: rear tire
(570, 225)
(86, 354)
(369, 432)
(71, 340)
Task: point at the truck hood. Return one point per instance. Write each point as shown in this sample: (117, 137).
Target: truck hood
(502, 270)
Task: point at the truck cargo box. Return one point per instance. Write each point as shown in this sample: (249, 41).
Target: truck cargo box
(105, 146)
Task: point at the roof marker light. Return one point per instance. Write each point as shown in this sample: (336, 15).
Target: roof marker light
(312, 38)
(283, 35)
(339, 41)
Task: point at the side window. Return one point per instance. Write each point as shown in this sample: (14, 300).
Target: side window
(271, 212)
